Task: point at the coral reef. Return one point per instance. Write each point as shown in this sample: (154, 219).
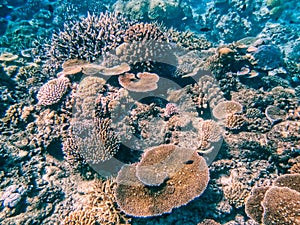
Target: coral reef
(83, 94)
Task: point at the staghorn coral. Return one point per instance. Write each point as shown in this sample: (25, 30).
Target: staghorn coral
(137, 199)
(145, 45)
(88, 38)
(50, 125)
(295, 168)
(189, 40)
(142, 82)
(13, 114)
(234, 187)
(209, 133)
(286, 135)
(52, 92)
(170, 110)
(234, 122)
(198, 98)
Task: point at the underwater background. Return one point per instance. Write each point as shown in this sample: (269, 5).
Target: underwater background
(150, 112)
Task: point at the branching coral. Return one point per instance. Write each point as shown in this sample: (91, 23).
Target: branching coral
(103, 202)
(52, 92)
(96, 141)
(89, 38)
(86, 217)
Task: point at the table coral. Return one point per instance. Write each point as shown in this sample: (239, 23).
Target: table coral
(137, 199)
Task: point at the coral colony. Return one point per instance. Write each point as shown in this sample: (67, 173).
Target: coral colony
(124, 116)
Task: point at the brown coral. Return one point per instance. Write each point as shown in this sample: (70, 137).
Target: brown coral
(209, 132)
(281, 206)
(291, 181)
(102, 200)
(97, 142)
(278, 204)
(137, 199)
(253, 205)
(225, 108)
(80, 217)
(52, 92)
(142, 82)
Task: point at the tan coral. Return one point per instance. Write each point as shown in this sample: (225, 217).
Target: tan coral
(278, 204)
(224, 51)
(8, 57)
(94, 69)
(138, 199)
(73, 66)
(208, 222)
(97, 142)
(81, 217)
(52, 92)
(274, 114)
(159, 163)
(281, 206)
(209, 132)
(225, 108)
(103, 202)
(253, 207)
(142, 82)
(291, 181)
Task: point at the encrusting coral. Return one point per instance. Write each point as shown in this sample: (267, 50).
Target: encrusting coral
(183, 184)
